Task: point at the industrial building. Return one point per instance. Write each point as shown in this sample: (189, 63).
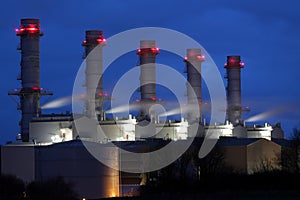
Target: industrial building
(250, 155)
(52, 141)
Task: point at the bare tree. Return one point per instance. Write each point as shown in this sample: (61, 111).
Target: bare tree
(290, 158)
(267, 164)
(212, 164)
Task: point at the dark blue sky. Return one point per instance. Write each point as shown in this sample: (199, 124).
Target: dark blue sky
(265, 33)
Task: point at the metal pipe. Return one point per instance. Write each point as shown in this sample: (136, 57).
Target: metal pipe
(234, 103)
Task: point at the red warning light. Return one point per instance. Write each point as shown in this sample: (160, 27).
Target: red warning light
(105, 94)
(101, 40)
(194, 57)
(35, 88)
(201, 58)
(155, 50)
(153, 98)
(31, 28)
(148, 50)
(231, 61)
(234, 62)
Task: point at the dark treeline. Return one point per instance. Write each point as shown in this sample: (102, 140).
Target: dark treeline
(13, 188)
(192, 178)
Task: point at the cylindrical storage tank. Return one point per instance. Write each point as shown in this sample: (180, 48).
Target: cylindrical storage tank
(234, 102)
(90, 174)
(193, 61)
(147, 59)
(93, 43)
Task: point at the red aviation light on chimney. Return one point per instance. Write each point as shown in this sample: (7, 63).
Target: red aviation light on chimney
(201, 58)
(153, 98)
(194, 57)
(93, 38)
(155, 50)
(30, 28)
(35, 88)
(103, 94)
(148, 50)
(101, 41)
(234, 62)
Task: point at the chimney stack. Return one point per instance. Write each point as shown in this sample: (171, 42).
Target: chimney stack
(234, 104)
(147, 59)
(93, 43)
(31, 91)
(193, 61)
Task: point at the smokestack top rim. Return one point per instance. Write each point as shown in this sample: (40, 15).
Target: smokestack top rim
(144, 44)
(194, 54)
(29, 26)
(25, 21)
(93, 32)
(93, 38)
(234, 61)
(234, 56)
(193, 51)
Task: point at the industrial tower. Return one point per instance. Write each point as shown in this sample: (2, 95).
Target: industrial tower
(147, 59)
(30, 91)
(234, 103)
(193, 61)
(93, 43)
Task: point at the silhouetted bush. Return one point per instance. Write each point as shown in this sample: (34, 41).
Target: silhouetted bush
(55, 188)
(11, 187)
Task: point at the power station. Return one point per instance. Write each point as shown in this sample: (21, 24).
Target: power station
(52, 140)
